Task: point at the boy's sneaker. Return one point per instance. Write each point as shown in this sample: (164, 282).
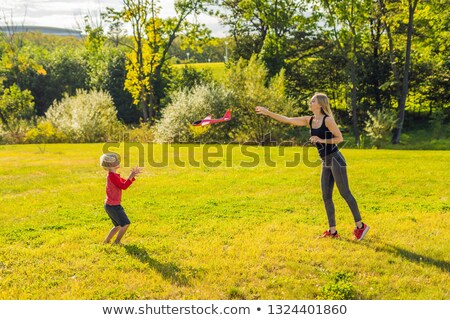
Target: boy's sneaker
(328, 234)
(360, 233)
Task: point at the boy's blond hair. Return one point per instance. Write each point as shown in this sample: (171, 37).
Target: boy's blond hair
(109, 160)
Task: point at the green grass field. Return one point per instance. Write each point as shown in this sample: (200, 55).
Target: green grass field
(229, 232)
(217, 69)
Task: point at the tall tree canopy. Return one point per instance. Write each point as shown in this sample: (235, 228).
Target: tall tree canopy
(152, 39)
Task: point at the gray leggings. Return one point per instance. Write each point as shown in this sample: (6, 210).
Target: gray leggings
(334, 169)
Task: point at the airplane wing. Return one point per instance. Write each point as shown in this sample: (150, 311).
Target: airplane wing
(202, 122)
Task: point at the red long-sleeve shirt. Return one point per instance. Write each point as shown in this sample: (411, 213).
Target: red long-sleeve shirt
(114, 186)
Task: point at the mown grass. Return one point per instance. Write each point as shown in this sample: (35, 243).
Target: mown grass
(228, 232)
(217, 69)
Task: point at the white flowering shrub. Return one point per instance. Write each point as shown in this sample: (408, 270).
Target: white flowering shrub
(188, 106)
(379, 126)
(85, 117)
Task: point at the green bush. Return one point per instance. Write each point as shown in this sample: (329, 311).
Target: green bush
(188, 106)
(85, 117)
(438, 127)
(339, 288)
(45, 132)
(380, 125)
(16, 132)
(16, 114)
(142, 133)
(15, 104)
(251, 86)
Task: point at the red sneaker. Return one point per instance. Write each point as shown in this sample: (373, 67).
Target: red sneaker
(360, 233)
(328, 234)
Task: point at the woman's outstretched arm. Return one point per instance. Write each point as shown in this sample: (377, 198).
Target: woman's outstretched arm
(297, 121)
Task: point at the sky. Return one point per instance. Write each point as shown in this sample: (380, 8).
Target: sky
(70, 13)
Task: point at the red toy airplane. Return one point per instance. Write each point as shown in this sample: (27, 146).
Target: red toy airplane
(208, 120)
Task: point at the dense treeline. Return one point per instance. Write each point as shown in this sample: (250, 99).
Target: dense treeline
(384, 64)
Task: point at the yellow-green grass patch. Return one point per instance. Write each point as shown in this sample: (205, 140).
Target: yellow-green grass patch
(228, 232)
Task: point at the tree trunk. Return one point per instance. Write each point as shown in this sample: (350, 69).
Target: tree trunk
(404, 89)
(152, 96)
(152, 106)
(356, 132)
(353, 63)
(376, 35)
(144, 105)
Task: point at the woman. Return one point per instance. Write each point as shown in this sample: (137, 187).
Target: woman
(325, 134)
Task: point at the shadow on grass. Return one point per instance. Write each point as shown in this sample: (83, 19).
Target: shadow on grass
(407, 254)
(417, 258)
(169, 271)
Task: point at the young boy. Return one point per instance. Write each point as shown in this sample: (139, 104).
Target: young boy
(114, 186)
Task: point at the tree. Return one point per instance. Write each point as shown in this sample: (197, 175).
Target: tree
(116, 33)
(189, 77)
(114, 83)
(251, 85)
(47, 65)
(263, 27)
(401, 76)
(67, 72)
(15, 59)
(348, 20)
(431, 67)
(94, 56)
(152, 38)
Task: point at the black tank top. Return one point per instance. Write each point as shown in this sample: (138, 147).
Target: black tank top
(323, 133)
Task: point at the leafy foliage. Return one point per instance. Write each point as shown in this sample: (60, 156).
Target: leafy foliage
(67, 73)
(437, 122)
(16, 56)
(152, 38)
(188, 106)
(188, 77)
(142, 133)
(352, 50)
(113, 83)
(251, 86)
(95, 55)
(339, 288)
(45, 132)
(263, 27)
(15, 104)
(379, 126)
(85, 117)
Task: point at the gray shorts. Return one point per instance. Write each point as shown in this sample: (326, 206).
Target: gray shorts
(117, 215)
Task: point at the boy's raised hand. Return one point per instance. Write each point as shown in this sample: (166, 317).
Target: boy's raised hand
(135, 171)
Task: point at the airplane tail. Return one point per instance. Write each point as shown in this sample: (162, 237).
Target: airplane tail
(227, 115)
